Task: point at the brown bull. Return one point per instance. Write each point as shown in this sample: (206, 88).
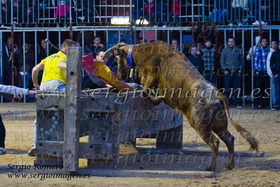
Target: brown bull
(167, 74)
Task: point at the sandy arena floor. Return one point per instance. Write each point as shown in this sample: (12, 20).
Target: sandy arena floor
(264, 124)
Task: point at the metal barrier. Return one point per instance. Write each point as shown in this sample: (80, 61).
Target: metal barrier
(158, 12)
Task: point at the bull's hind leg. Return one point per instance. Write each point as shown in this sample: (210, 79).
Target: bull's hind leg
(226, 137)
(202, 125)
(213, 142)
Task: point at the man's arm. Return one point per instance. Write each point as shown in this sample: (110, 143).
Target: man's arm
(35, 72)
(62, 64)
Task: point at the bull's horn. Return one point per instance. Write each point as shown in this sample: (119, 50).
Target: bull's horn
(106, 54)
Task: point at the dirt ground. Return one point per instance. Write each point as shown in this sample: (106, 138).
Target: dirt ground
(249, 171)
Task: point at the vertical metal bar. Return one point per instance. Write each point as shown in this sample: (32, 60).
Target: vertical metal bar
(36, 47)
(156, 34)
(107, 38)
(225, 38)
(119, 36)
(48, 47)
(181, 41)
(243, 68)
(168, 36)
(83, 42)
(24, 64)
(192, 11)
(203, 16)
(271, 79)
(252, 69)
(59, 39)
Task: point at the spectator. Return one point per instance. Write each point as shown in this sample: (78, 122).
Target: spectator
(239, 10)
(261, 78)
(275, 68)
(209, 59)
(220, 11)
(196, 59)
(138, 11)
(31, 14)
(259, 9)
(8, 54)
(27, 58)
(273, 48)
(45, 50)
(6, 11)
(175, 11)
(186, 49)
(79, 11)
(231, 63)
(62, 12)
(149, 11)
(199, 47)
(142, 41)
(160, 13)
(95, 47)
(175, 44)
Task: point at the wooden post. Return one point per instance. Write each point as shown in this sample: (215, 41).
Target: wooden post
(72, 110)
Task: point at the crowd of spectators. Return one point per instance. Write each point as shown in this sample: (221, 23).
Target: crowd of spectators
(156, 12)
(226, 66)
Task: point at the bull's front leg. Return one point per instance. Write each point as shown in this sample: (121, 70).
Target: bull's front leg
(151, 90)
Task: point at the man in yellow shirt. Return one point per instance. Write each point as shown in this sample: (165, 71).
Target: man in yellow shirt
(54, 74)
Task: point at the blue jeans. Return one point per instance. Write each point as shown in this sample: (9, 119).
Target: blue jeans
(53, 85)
(218, 15)
(277, 89)
(25, 84)
(233, 87)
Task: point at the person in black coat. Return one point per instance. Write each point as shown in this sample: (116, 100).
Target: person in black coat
(196, 59)
(7, 56)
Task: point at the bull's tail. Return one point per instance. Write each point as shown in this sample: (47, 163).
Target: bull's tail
(244, 133)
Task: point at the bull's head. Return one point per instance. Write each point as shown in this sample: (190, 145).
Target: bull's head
(120, 51)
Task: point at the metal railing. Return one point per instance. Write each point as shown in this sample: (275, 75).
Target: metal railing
(159, 12)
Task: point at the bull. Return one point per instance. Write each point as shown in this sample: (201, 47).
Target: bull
(166, 74)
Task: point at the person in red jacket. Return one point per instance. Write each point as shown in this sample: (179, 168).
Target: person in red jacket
(175, 11)
(149, 10)
(62, 12)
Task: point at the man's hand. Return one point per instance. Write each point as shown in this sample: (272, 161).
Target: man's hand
(251, 53)
(36, 86)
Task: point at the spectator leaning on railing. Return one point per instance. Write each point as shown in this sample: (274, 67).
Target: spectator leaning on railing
(261, 78)
(62, 12)
(220, 12)
(6, 12)
(275, 68)
(175, 11)
(273, 48)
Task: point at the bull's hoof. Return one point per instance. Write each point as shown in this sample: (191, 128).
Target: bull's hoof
(210, 169)
(229, 167)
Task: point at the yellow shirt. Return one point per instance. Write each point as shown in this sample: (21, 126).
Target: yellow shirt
(51, 69)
